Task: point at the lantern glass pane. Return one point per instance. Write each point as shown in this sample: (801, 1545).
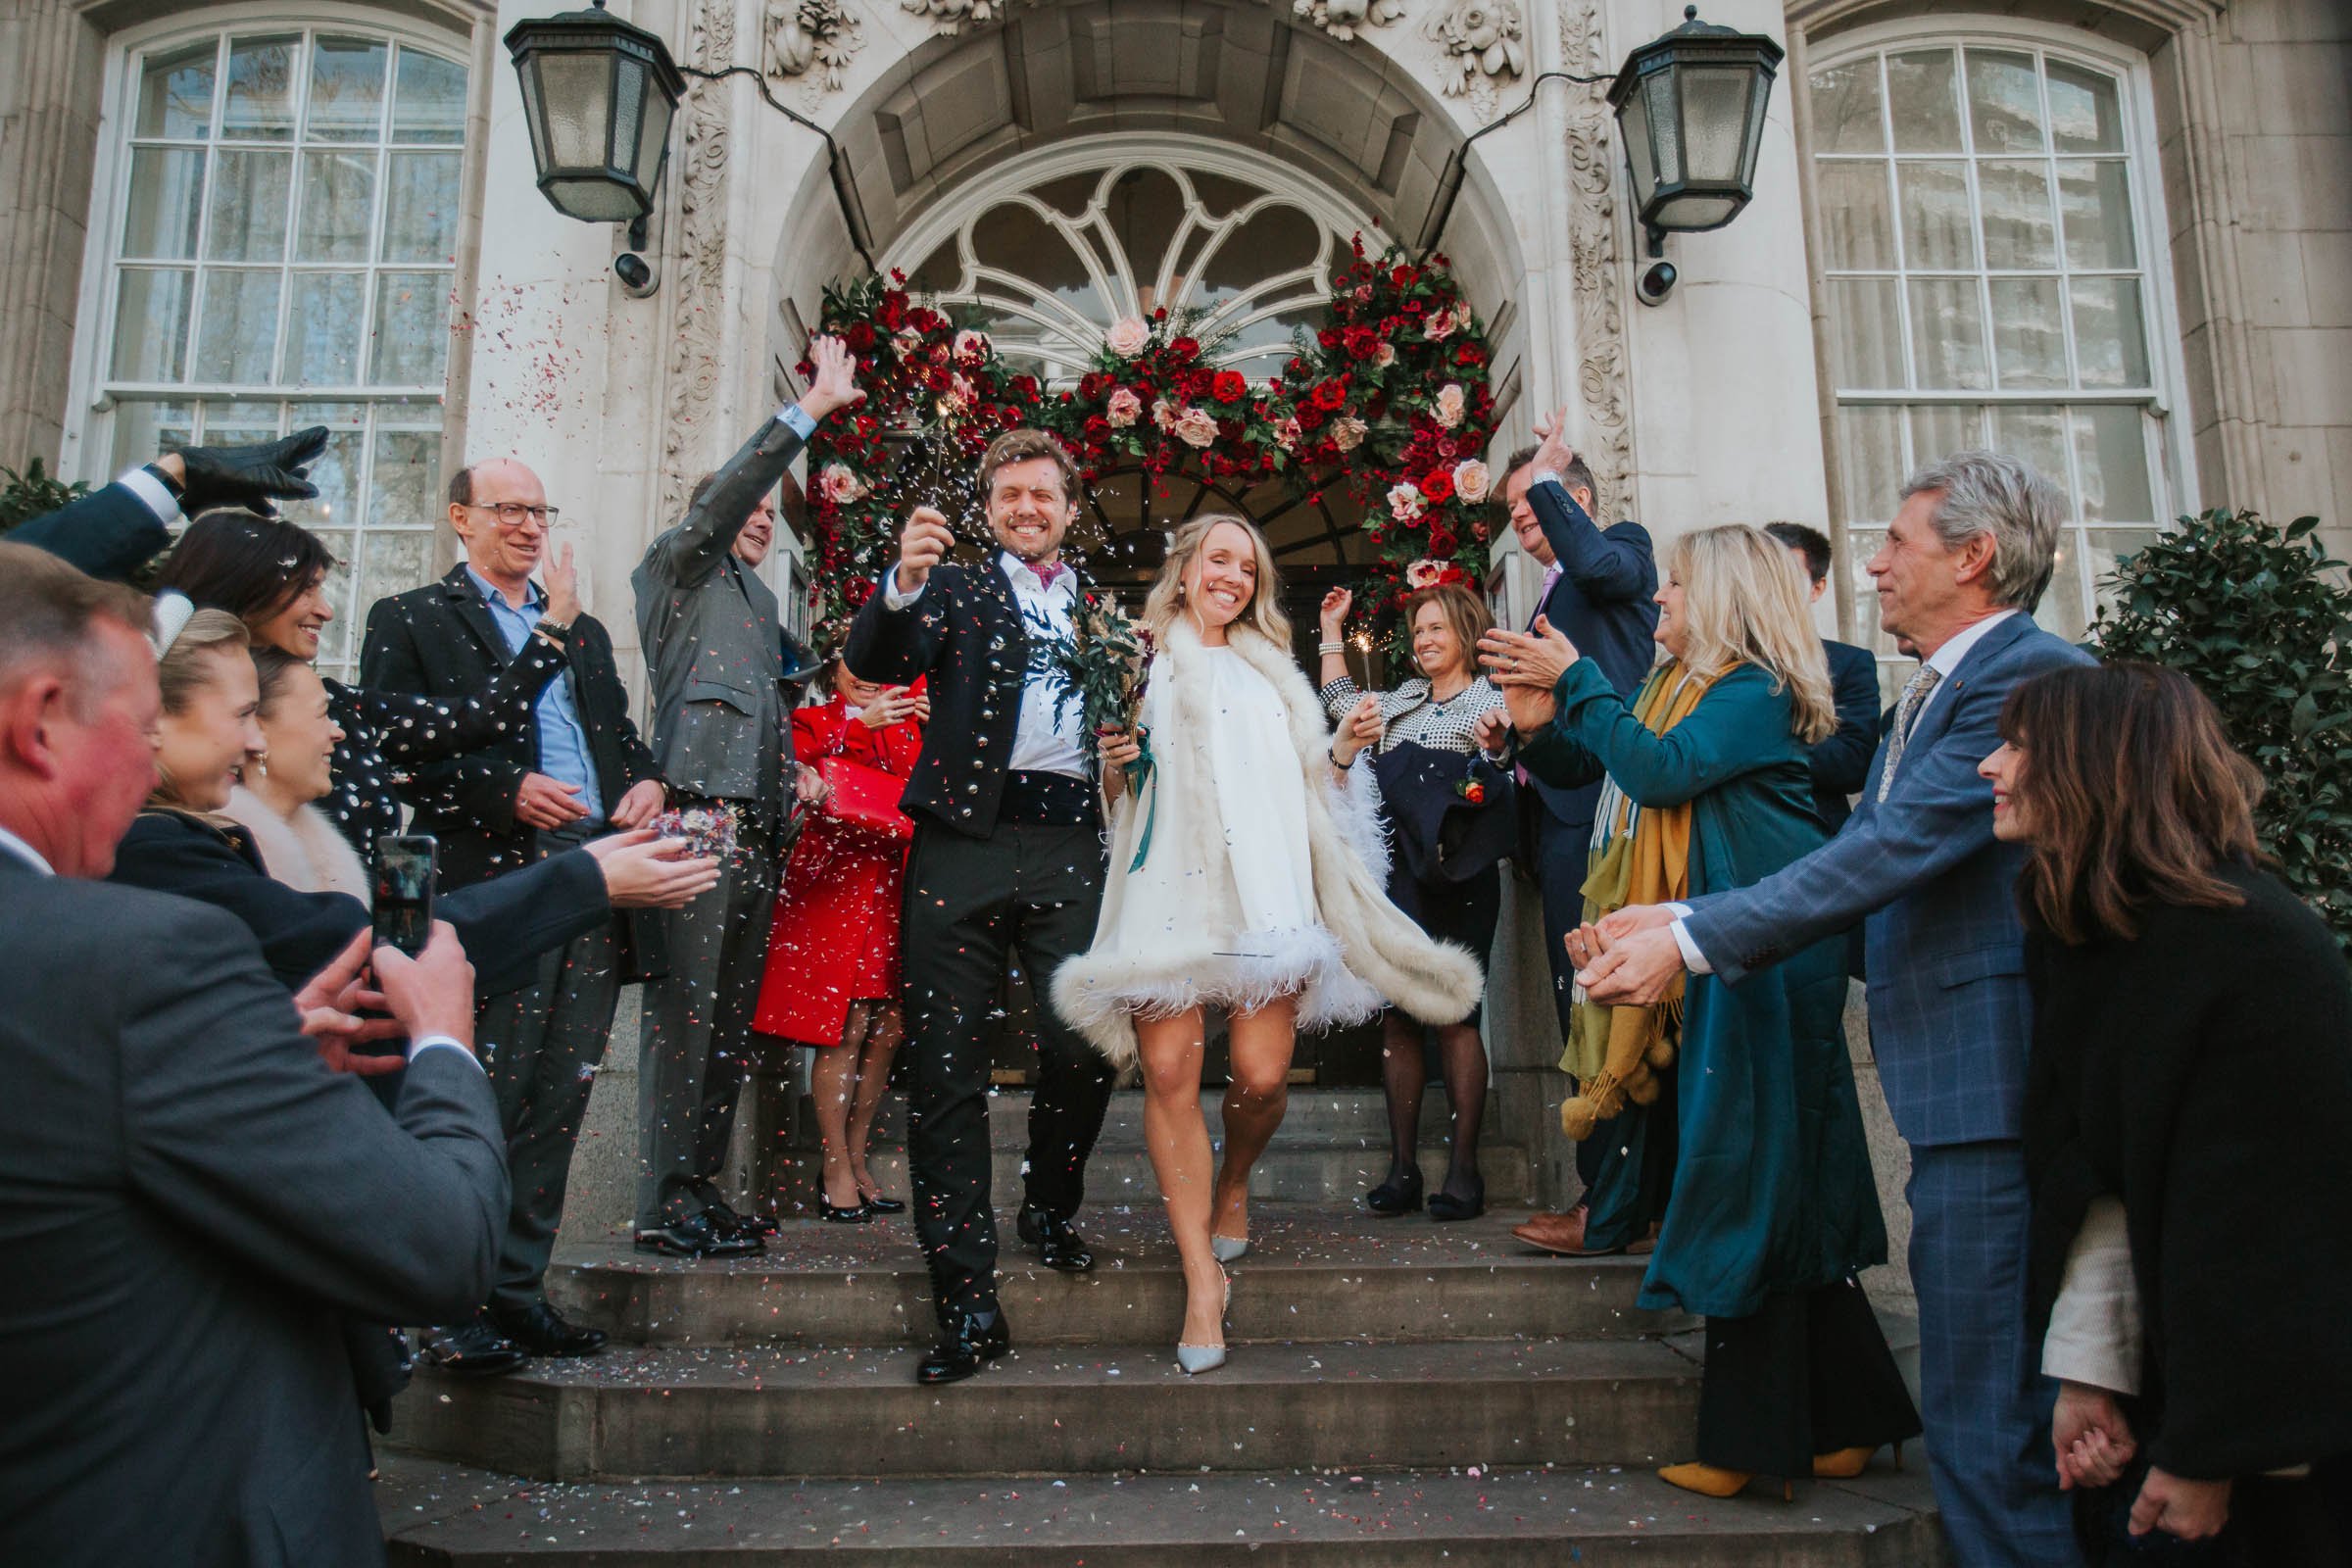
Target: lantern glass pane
(527, 73)
(593, 199)
(1665, 125)
(628, 105)
(575, 95)
(1633, 122)
(650, 147)
(1715, 113)
(1694, 213)
(1759, 98)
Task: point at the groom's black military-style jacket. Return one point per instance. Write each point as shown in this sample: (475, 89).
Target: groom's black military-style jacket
(967, 633)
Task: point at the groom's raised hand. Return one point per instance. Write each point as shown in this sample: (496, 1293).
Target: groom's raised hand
(923, 544)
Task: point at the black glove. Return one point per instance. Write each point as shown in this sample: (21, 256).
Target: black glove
(251, 476)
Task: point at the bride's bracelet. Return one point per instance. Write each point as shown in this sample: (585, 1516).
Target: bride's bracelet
(1330, 648)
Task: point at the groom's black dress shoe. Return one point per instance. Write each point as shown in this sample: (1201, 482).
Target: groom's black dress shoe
(976, 1337)
(473, 1348)
(1058, 1245)
(541, 1330)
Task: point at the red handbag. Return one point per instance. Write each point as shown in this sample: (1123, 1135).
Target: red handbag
(863, 801)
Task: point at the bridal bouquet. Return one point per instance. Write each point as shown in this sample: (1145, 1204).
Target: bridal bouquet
(1104, 667)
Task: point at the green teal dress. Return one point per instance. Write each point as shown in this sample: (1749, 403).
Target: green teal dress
(1773, 1188)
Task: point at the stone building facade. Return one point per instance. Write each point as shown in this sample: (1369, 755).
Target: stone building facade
(2116, 238)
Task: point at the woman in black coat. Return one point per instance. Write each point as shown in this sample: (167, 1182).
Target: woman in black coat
(272, 576)
(2190, 1095)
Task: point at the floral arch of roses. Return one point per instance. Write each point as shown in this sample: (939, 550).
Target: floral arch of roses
(1389, 402)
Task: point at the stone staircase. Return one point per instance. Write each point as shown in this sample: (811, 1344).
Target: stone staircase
(1399, 1393)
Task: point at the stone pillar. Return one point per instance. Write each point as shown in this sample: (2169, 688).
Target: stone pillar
(50, 88)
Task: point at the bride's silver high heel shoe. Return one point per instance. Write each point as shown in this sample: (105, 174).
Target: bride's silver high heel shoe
(1227, 1249)
(1199, 1359)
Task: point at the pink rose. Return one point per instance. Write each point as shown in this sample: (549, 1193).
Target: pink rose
(1124, 408)
(907, 340)
(960, 392)
(1127, 337)
(839, 485)
(1286, 434)
(1439, 325)
(1384, 356)
(1363, 293)
(1405, 503)
(1424, 573)
(1348, 432)
(973, 344)
(1163, 413)
(1449, 407)
(1196, 427)
(1471, 480)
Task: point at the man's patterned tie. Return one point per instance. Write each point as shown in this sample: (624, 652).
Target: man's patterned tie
(1906, 708)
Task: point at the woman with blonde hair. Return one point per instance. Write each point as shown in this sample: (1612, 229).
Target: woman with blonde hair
(1244, 873)
(1772, 1207)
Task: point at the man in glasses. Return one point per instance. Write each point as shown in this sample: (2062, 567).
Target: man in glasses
(576, 770)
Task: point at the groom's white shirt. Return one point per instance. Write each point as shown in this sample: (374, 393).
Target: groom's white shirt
(1045, 737)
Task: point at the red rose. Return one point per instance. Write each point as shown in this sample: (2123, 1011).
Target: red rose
(1438, 484)
(1362, 342)
(1402, 276)
(1469, 354)
(1441, 542)
(860, 337)
(1184, 350)
(1229, 386)
(1329, 337)
(1331, 395)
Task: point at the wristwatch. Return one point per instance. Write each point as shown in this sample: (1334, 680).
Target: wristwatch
(180, 491)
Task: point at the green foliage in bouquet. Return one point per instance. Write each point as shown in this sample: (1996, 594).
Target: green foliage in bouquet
(2261, 619)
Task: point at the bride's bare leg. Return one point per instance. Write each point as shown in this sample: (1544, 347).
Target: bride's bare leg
(1262, 1043)
(1178, 1140)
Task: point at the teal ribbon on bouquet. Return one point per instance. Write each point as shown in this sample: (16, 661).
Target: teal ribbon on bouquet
(1138, 775)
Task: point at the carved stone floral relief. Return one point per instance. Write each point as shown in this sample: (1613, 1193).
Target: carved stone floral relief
(1482, 43)
(1593, 238)
(1344, 19)
(954, 16)
(696, 258)
(811, 40)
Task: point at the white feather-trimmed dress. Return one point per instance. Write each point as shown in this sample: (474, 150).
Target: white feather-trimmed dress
(1263, 876)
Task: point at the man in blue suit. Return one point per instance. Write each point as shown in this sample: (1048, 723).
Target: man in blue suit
(1966, 559)
(1841, 761)
(1599, 587)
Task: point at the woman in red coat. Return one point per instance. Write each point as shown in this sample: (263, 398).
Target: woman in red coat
(832, 978)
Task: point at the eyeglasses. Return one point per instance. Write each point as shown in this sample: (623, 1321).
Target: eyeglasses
(510, 514)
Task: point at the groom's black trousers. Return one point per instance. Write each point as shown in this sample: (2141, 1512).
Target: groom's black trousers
(966, 900)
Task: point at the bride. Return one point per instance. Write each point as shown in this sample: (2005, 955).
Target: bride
(1246, 873)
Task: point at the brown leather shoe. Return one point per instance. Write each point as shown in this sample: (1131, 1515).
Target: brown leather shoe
(1562, 1233)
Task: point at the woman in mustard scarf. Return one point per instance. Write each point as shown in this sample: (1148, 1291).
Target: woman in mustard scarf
(1772, 1207)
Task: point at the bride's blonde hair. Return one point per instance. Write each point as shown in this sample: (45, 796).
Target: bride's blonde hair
(1166, 601)
(1744, 605)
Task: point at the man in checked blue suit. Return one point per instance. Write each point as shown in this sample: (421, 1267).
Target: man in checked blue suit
(1967, 559)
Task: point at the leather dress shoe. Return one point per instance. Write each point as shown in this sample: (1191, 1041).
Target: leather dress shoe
(697, 1236)
(973, 1338)
(474, 1349)
(758, 1227)
(541, 1330)
(1058, 1244)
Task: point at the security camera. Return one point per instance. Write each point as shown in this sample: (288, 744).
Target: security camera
(1654, 284)
(636, 273)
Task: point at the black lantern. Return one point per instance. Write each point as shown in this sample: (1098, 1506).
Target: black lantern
(1690, 107)
(599, 94)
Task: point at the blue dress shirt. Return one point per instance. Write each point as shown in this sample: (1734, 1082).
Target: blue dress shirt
(563, 741)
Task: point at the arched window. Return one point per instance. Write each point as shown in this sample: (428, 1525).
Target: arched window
(1987, 216)
(1067, 244)
(280, 252)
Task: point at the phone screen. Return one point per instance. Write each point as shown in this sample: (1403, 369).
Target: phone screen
(405, 866)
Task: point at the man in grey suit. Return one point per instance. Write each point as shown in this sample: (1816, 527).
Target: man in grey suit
(1966, 559)
(722, 733)
(191, 1200)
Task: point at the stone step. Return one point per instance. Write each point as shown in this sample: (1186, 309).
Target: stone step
(736, 1412)
(1119, 1171)
(439, 1516)
(1314, 1272)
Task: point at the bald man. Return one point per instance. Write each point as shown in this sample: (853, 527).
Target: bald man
(576, 770)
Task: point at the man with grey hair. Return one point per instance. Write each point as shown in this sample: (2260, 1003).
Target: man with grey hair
(1965, 561)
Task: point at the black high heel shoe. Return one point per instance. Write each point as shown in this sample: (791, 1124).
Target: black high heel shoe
(886, 1205)
(1398, 1194)
(854, 1214)
(1443, 1207)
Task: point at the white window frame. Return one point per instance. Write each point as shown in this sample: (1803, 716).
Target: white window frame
(2172, 466)
(88, 445)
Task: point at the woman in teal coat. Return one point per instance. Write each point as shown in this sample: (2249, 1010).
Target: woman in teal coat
(1774, 1207)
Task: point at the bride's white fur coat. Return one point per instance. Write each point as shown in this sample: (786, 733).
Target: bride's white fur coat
(1168, 934)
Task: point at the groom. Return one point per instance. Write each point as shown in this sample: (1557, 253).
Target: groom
(1008, 848)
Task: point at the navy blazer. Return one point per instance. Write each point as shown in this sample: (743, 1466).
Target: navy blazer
(109, 534)
(1950, 1015)
(1840, 762)
(1604, 600)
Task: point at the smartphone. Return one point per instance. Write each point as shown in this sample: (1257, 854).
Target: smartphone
(407, 865)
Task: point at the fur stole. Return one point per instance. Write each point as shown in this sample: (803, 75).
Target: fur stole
(1163, 939)
(304, 852)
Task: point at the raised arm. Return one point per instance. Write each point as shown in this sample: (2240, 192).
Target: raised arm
(901, 630)
(1731, 729)
(1606, 568)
